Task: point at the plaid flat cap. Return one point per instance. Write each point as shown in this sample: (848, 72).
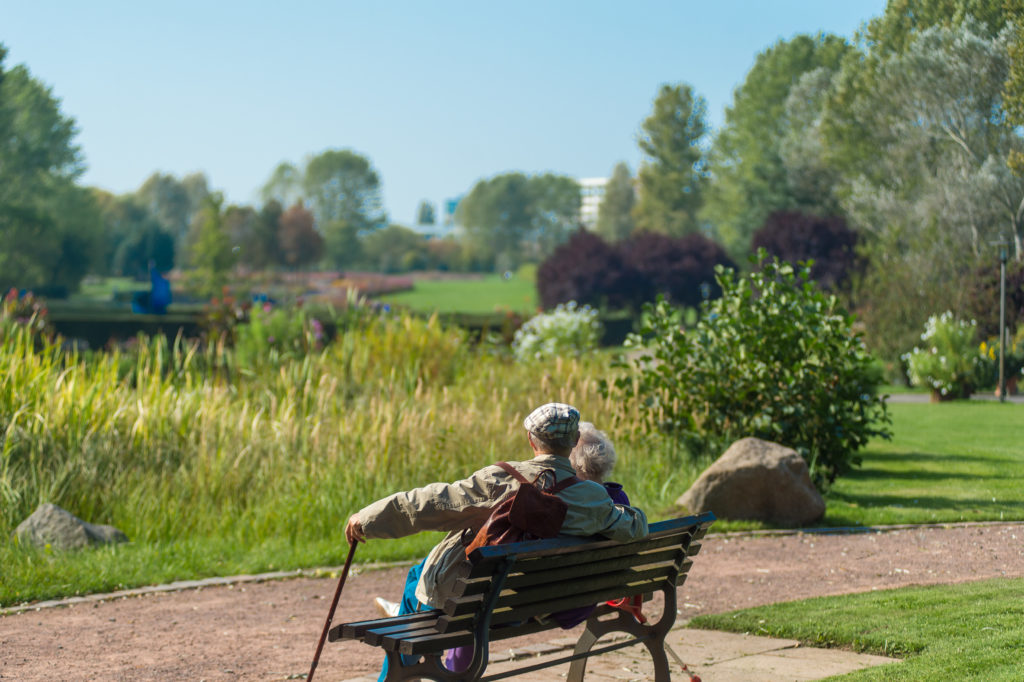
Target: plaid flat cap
(556, 423)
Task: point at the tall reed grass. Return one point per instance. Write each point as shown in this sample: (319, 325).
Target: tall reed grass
(212, 471)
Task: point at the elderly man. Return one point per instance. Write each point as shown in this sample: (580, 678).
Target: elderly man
(462, 508)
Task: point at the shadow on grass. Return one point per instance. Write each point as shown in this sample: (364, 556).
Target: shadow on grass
(921, 457)
(924, 502)
(863, 474)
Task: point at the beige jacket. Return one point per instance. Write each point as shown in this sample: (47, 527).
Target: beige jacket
(466, 504)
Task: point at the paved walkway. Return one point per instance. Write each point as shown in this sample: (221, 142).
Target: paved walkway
(713, 656)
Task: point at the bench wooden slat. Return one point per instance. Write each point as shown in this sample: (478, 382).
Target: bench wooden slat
(357, 629)
(545, 592)
(567, 544)
(559, 558)
(517, 581)
(508, 615)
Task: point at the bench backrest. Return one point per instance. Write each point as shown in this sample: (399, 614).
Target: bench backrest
(517, 581)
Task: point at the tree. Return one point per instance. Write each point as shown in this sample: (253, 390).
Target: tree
(797, 237)
(394, 249)
(749, 174)
(680, 268)
(50, 229)
(425, 213)
(938, 107)
(133, 238)
(673, 175)
(342, 186)
(615, 214)
(852, 133)
(1013, 89)
(254, 240)
(173, 203)
(212, 255)
(983, 298)
(284, 185)
(265, 232)
(300, 243)
(512, 218)
(589, 270)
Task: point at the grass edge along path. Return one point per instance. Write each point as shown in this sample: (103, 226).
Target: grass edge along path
(971, 630)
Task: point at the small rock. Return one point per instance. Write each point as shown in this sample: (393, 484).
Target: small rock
(62, 530)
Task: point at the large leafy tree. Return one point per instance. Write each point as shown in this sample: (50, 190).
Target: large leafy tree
(50, 228)
(942, 191)
(394, 249)
(343, 192)
(425, 214)
(853, 134)
(750, 176)
(513, 218)
(284, 185)
(212, 254)
(300, 243)
(341, 185)
(673, 174)
(133, 238)
(172, 202)
(615, 215)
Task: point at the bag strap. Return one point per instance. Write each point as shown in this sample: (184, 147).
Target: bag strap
(554, 490)
(511, 471)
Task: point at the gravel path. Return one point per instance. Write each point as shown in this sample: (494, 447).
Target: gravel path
(268, 630)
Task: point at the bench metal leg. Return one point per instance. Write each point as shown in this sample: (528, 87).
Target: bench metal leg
(623, 622)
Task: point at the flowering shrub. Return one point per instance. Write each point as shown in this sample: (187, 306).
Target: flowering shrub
(949, 362)
(23, 310)
(774, 358)
(567, 330)
(1014, 355)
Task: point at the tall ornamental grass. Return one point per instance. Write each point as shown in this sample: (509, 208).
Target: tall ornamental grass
(190, 460)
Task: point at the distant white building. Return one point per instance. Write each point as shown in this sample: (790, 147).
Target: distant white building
(592, 194)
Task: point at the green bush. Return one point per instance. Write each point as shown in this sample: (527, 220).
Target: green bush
(773, 358)
(274, 334)
(567, 330)
(949, 363)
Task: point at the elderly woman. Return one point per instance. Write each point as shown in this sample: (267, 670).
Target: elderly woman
(593, 459)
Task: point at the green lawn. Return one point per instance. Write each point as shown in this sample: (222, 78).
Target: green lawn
(485, 294)
(967, 631)
(958, 461)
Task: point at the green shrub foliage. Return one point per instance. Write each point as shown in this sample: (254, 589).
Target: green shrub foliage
(774, 358)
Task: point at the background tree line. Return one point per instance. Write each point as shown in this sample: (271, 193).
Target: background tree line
(893, 159)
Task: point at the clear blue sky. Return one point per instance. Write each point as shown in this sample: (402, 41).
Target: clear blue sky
(436, 94)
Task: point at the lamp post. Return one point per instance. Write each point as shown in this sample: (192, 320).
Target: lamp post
(1002, 322)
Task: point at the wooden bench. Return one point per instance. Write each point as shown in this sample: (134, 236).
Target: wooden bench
(510, 590)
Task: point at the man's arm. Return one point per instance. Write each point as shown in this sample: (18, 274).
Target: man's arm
(438, 506)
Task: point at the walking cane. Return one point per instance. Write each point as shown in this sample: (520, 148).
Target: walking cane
(330, 614)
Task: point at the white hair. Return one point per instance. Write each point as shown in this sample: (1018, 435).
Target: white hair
(593, 458)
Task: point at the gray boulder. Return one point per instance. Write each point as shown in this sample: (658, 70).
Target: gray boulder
(62, 530)
(757, 480)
